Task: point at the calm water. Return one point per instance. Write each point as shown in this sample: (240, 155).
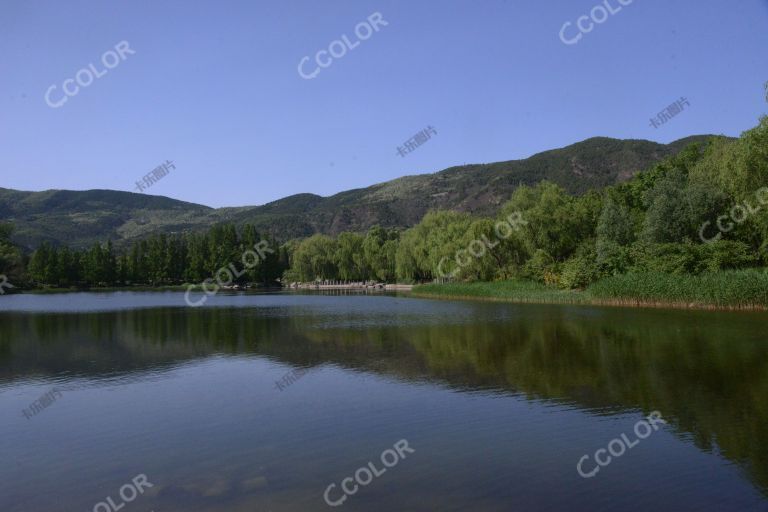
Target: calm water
(499, 403)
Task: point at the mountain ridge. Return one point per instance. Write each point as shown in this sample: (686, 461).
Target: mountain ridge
(80, 218)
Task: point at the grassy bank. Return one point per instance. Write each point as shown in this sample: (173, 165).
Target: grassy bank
(513, 291)
(742, 289)
(734, 289)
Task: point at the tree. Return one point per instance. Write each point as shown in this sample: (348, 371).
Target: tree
(379, 250)
(677, 208)
(554, 221)
(11, 259)
(427, 250)
(314, 258)
(350, 257)
(42, 264)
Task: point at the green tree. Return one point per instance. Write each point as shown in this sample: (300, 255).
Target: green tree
(11, 258)
(350, 258)
(555, 222)
(314, 258)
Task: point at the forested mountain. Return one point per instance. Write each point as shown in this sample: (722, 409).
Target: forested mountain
(701, 212)
(669, 219)
(81, 218)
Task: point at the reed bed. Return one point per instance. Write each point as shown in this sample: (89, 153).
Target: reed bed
(734, 289)
(739, 289)
(510, 291)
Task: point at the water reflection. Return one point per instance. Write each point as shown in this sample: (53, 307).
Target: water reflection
(707, 372)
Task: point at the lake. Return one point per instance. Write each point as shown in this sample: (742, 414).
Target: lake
(133, 401)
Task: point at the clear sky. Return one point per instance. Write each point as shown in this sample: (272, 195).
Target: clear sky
(215, 87)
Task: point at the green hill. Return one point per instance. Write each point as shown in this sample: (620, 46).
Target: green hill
(80, 218)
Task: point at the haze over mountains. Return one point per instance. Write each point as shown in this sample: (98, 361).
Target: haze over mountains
(80, 218)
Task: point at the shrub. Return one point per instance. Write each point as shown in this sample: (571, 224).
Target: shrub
(613, 258)
(580, 270)
(725, 254)
(664, 258)
(541, 267)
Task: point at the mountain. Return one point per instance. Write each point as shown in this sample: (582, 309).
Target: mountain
(80, 218)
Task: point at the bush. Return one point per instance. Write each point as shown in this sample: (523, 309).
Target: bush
(692, 259)
(664, 258)
(580, 270)
(725, 254)
(613, 258)
(542, 268)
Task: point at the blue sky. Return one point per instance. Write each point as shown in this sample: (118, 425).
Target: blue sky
(214, 86)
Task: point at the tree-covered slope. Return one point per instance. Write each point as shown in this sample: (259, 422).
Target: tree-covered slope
(80, 218)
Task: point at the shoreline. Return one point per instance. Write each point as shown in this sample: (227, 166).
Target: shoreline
(350, 286)
(556, 297)
(197, 287)
(633, 303)
(730, 290)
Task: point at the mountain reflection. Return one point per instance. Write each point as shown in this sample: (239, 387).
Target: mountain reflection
(601, 360)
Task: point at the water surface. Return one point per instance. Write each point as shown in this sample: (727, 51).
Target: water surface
(498, 401)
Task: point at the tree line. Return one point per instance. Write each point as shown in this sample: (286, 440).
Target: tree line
(160, 260)
(699, 211)
(703, 210)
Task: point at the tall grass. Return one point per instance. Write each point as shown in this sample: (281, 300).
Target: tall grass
(513, 291)
(731, 288)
